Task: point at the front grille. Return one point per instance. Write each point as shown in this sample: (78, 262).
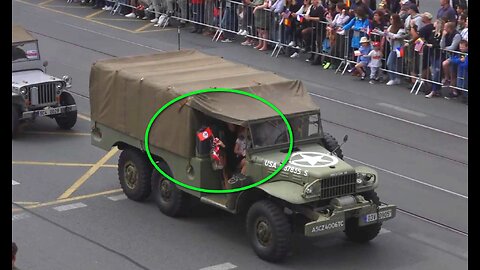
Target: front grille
(338, 186)
(44, 95)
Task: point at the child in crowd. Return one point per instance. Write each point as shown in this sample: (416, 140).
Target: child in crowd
(363, 58)
(461, 61)
(375, 62)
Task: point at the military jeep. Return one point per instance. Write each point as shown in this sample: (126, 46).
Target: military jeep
(35, 93)
(317, 187)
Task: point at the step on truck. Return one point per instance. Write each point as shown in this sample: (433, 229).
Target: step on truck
(316, 187)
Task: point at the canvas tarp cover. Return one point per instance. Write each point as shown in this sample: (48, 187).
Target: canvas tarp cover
(126, 92)
(19, 34)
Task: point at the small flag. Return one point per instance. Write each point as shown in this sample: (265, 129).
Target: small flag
(347, 3)
(400, 52)
(205, 134)
(419, 45)
(300, 18)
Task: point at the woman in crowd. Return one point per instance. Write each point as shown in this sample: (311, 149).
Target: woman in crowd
(359, 24)
(262, 22)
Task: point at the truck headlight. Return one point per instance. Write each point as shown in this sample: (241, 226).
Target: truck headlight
(312, 189)
(365, 178)
(67, 79)
(23, 91)
(59, 85)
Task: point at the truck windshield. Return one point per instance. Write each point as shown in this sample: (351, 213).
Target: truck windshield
(25, 52)
(274, 132)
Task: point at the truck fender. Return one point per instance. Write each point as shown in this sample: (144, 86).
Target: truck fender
(285, 190)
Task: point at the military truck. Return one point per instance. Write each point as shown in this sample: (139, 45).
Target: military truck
(316, 187)
(34, 92)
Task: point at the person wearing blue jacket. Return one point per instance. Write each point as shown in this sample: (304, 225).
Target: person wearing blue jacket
(359, 24)
(461, 61)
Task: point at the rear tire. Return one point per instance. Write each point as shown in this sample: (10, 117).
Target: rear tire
(170, 200)
(363, 234)
(134, 173)
(330, 143)
(269, 230)
(68, 119)
(15, 120)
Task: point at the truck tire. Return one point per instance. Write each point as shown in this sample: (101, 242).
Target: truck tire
(134, 173)
(365, 233)
(330, 143)
(15, 120)
(268, 230)
(170, 200)
(66, 120)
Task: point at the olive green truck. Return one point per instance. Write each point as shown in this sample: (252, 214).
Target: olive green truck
(316, 186)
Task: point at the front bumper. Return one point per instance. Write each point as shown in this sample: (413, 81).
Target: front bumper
(366, 214)
(49, 111)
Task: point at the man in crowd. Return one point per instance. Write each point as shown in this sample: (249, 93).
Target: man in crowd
(446, 11)
(462, 26)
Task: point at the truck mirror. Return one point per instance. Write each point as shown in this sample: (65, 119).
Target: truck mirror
(45, 63)
(345, 138)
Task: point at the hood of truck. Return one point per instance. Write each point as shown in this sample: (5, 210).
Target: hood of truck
(308, 163)
(31, 77)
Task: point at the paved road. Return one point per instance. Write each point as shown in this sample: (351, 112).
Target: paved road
(418, 146)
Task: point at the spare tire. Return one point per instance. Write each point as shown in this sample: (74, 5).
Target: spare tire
(330, 143)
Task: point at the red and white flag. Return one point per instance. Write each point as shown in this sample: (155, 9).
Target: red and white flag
(204, 134)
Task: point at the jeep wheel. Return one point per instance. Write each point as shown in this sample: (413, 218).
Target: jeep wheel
(268, 230)
(331, 143)
(134, 172)
(68, 119)
(169, 199)
(365, 233)
(15, 120)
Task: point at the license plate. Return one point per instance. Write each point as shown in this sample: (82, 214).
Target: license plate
(385, 214)
(371, 217)
(50, 111)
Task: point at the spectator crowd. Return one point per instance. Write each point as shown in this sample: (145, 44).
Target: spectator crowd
(370, 38)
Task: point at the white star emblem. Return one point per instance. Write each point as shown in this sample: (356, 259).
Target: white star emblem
(313, 159)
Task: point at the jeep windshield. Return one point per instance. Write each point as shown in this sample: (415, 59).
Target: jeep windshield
(274, 132)
(27, 51)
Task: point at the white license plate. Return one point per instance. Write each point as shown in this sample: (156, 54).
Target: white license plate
(385, 214)
(370, 217)
(50, 111)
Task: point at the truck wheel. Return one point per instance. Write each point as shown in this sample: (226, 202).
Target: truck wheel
(365, 233)
(268, 230)
(331, 143)
(15, 120)
(134, 172)
(169, 199)
(66, 120)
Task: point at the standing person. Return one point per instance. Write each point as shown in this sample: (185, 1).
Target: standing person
(394, 35)
(379, 24)
(301, 24)
(461, 62)
(14, 255)
(446, 11)
(338, 48)
(230, 20)
(359, 24)
(426, 34)
(463, 26)
(157, 11)
(240, 149)
(450, 40)
(197, 15)
(436, 58)
(314, 18)
(375, 62)
(262, 22)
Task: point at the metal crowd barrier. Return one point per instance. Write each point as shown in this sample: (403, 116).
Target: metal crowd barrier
(422, 65)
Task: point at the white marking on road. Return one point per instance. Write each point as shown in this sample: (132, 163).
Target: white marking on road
(384, 231)
(223, 266)
(392, 117)
(440, 245)
(20, 216)
(409, 178)
(69, 206)
(14, 183)
(117, 197)
(112, 37)
(400, 109)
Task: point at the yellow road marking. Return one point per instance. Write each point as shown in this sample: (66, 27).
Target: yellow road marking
(118, 19)
(143, 27)
(14, 209)
(66, 164)
(94, 14)
(159, 30)
(57, 133)
(65, 6)
(75, 16)
(84, 117)
(45, 2)
(88, 174)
